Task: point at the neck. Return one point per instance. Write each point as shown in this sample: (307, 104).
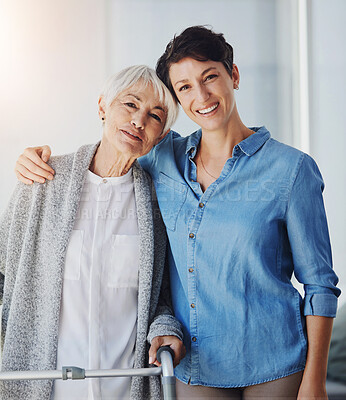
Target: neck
(219, 144)
(109, 162)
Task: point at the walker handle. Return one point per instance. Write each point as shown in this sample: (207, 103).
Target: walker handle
(161, 349)
(165, 356)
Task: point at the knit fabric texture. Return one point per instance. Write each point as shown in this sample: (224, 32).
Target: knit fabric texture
(34, 234)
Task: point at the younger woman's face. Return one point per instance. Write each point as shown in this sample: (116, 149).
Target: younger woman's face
(205, 90)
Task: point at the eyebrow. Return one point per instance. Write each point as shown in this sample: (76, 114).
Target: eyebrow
(203, 73)
(139, 99)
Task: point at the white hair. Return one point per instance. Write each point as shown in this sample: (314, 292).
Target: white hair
(141, 73)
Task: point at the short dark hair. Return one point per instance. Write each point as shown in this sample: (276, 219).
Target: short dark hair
(197, 42)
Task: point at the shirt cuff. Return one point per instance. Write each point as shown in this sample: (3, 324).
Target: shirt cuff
(322, 304)
(165, 325)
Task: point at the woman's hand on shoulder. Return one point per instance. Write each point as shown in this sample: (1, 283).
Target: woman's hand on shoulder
(32, 166)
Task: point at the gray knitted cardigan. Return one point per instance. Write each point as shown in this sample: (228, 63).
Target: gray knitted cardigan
(34, 234)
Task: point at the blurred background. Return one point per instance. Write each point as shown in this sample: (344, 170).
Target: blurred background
(56, 55)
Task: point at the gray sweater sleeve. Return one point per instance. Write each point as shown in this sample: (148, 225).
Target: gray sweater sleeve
(164, 322)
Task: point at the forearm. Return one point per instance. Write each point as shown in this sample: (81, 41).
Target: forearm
(319, 330)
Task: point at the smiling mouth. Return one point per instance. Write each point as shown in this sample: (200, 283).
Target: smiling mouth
(206, 111)
(131, 135)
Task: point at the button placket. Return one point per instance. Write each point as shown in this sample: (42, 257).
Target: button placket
(191, 280)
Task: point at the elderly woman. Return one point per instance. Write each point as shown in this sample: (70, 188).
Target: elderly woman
(243, 212)
(82, 258)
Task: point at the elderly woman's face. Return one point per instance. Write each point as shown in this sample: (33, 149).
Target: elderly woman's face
(134, 121)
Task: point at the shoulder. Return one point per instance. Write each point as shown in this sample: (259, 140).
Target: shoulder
(68, 168)
(279, 149)
(291, 154)
(64, 164)
(284, 157)
(176, 140)
(169, 147)
(286, 163)
(170, 154)
(141, 176)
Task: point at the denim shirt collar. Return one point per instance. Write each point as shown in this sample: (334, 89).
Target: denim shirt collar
(193, 142)
(248, 146)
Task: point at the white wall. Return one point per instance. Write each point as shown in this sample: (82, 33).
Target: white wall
(51, 70)
(328, 118)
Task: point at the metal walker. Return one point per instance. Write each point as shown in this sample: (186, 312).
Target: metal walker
(164, 355)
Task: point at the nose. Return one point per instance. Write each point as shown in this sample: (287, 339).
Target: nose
(202, 93)
(138, 120)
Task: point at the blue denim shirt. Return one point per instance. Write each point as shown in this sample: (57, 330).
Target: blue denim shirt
(233, 250)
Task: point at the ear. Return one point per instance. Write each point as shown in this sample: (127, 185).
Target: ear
(102, 107)
(163, 135)
(235, 75)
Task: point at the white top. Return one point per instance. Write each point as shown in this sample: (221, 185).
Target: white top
(98, 319)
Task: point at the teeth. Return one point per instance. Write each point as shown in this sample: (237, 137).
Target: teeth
(132, 135)
(208, 110)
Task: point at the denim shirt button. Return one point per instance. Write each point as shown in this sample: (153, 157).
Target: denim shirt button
(193, 306)
(194, 339)
(190, 269)
(201, 205)
(191, 235)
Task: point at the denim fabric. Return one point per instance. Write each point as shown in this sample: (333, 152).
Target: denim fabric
(233, 250)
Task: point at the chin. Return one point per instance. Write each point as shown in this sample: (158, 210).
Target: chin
(212, 126)
(131, 148)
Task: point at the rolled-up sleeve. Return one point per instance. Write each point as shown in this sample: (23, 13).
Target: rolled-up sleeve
(309, 240)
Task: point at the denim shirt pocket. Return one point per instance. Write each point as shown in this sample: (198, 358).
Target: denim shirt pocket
(171, 196)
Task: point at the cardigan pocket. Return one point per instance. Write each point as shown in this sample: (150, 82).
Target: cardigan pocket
(73, 255)
(123, 270)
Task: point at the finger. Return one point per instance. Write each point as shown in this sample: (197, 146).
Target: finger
(45, 153)
(155, 344)
(179, 351)
(25, 173)
(33, 168)
(177, 356)
(21, 178)
(35, 153)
